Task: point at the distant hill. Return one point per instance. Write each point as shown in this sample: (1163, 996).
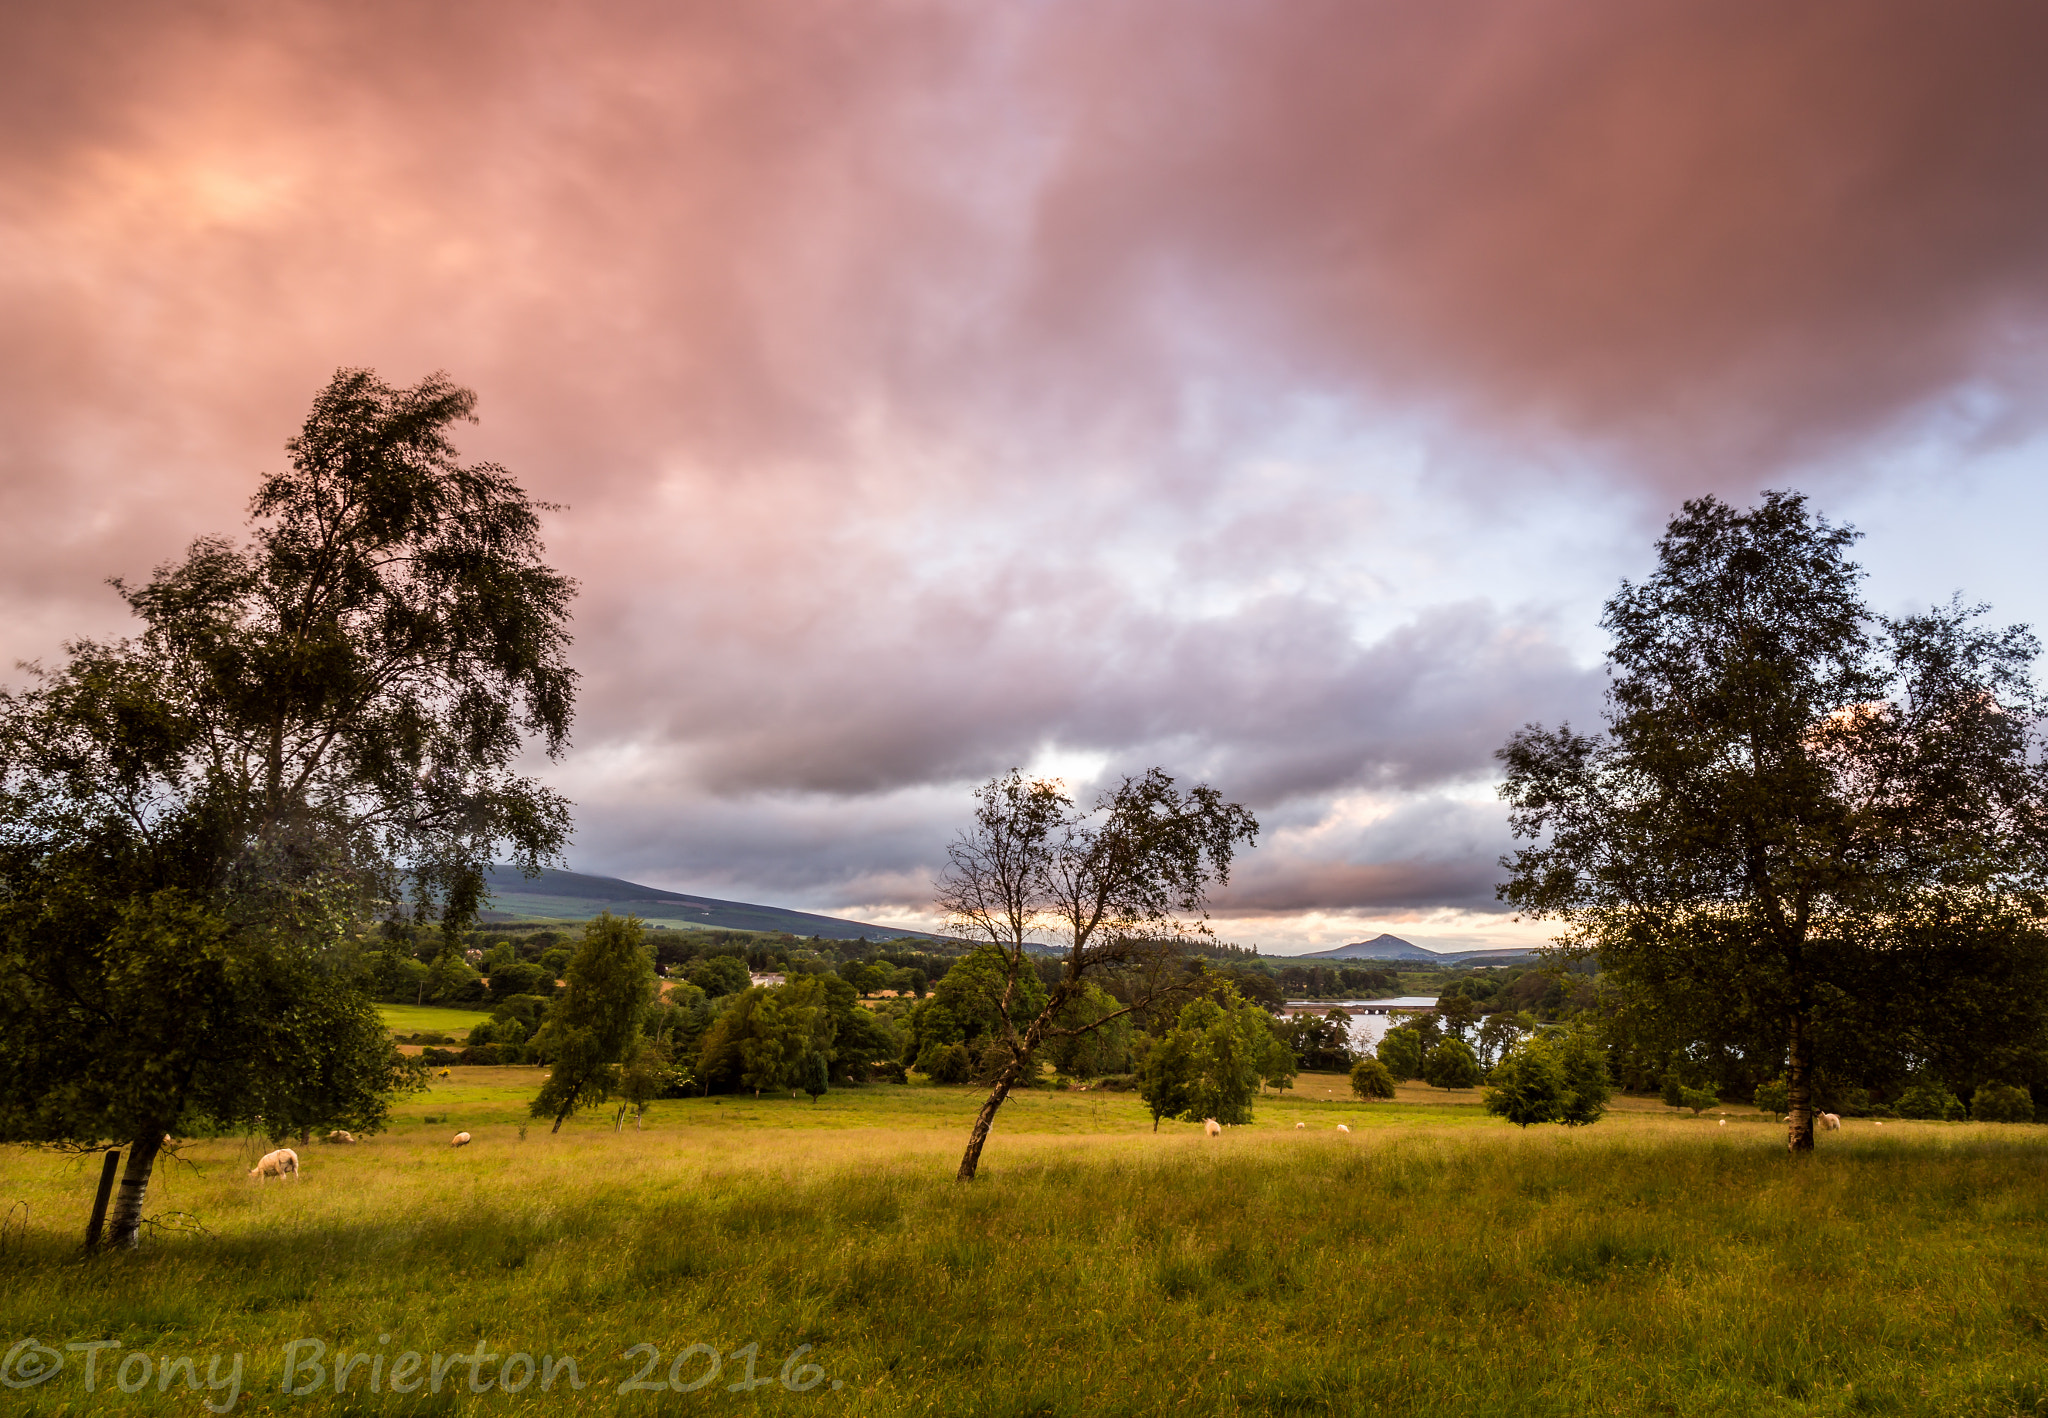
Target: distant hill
(1392, 947)
(572, 896)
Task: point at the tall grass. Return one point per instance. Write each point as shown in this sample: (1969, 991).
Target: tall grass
(1432, 1262)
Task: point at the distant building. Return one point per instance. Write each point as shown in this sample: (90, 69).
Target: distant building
(770, 979)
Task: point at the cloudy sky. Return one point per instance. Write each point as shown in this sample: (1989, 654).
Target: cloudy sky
(1271, 392)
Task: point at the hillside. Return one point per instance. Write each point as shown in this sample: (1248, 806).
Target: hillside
(574, 896)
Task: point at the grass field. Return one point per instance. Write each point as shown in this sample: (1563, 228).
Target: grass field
(430, 1018)
(1433, 1261)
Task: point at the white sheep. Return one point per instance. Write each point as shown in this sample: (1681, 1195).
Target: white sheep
(1342, 1128)
(341, 1135)
(1831, 1122)
(1724, 1122)
(1212, 1127)
(461, 1139)
(282, 1163)
(1301, 1125)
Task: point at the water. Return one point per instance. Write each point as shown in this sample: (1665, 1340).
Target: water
(1370, 1019)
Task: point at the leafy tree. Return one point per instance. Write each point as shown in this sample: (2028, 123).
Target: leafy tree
(1371, 1081)
(1320, 1043)
(1556, 1077)
(1113, 886)
(1166, 1077)
(518, 978)
(1278, 1067)
(1697, 1099)
(1458, 1013)
(1527, 1085)
(1928, 1100)
(647, 1074)
(323, 719)
(1451, 1064)
(1102, 1042)
(1772, 1097)
(1797, 804)
(1400, 1049)
(595, 1024)
(1499, 1034)
(719, 975)
(946, 1063)
(1587, 1084)
(2002, 1103)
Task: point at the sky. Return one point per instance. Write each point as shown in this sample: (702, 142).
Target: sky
(1270, 392)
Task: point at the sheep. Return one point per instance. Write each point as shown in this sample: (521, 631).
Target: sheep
(341, 1135)
(1724, 1122)
(1831, 1122)
(282, 1163)
(1212, 1127)
(1342, 1128)
(1301, 1125)
(461, 1139)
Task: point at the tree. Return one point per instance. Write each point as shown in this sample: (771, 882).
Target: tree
(646, 1075)
(1772, 1097)
(1113, 886)
(595, 1024)
(1499, 1033)
(1526, 1086)
(1697, 1099)
(2001, 1103)
(1370, 1080)
(1799, 807)
(1928, 1100)
(1166, 1077)
(1400, 1049)
(1451, 1065)
(307, 726)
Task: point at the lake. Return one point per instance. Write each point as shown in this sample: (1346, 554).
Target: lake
(1370, 1018)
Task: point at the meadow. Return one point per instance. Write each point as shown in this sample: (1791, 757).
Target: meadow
(1434, 1260)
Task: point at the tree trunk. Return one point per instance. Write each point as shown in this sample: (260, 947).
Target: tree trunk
(558, 1122)
(1799, 1130)
(97, 1225)
(124, 1230)
(985, 1119)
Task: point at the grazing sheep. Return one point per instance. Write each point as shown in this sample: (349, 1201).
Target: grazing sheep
(1830, 1122)
(461, 1139)
(1301, 1125)
(1212, 1127)
(282, 1163)
(1724, 1122)
(1878, 1124)
(1342, 1128)
(341, 1135)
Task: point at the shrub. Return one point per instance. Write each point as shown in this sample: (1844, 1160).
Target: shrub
(890, 1071)
(1929, 1100)
(1370, 1079)
(1698, 1099)
(1401, 1052)
(1774, 1097)
(1673, 1091)
(2002, 1103)
(946, 1063)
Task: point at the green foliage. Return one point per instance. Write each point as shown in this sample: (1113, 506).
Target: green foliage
(595, 1024)
(1208, 1064)
(2002, 1103)
(765, 1038)
(1371, 1080)
(1319, 1043)
(1558, 1077)
(719, 975)
(946, 1063)
(1928, 1100)
(1400, 1049)
(1527, 1085)
(1451, 1064)
(1773, 1097)
(1809, 833)
(1103, 1043)
(1698, 1099)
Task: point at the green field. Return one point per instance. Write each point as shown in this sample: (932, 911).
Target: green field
(1432, 1261)
(430, 1018)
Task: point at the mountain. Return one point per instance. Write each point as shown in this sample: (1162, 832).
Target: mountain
(1392, 947)
(1380, 947)
(573, 896)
